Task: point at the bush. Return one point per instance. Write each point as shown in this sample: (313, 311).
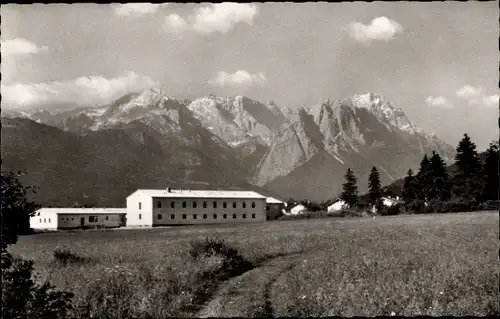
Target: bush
(22, 298)
(232, 262)
(416, 206)
(65, 256)
(391, 210)
(490, 205)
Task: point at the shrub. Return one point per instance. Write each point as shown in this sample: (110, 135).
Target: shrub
(65, 256)
(490, 205)
(391, 210)
(22, 298)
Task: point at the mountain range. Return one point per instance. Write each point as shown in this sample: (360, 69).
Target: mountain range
(149, 139)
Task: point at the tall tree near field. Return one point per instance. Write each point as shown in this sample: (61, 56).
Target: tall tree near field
(409, 191)
(350, 189)
(490, 173)
(439, 188)
(423, 179)
(466, 183)
(374, 187)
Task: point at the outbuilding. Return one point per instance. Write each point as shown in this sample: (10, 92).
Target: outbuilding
(68, 218)
(274, 208)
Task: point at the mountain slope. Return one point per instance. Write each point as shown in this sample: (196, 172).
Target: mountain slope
(358, 133)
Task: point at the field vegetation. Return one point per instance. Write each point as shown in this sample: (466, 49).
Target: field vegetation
(396, 265)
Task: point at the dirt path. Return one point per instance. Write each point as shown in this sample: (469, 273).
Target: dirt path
(248, 295)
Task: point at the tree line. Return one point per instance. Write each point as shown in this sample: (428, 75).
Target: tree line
(471, 183)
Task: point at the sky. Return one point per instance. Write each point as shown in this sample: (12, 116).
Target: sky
(437, 61)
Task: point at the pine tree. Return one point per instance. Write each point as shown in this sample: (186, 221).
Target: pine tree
(490, 173)
(374, 186)
(350, 189)
(423, 180)
(439, 188)
(466, 183)
(409, 191)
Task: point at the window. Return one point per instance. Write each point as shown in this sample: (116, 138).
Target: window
(253, 204)
(224, 205)
(224, 216)
(253, 215)
(172, 216)
(40, 220)
(72, 219)
(268, 208)
(215, 204)
(107, 218)
(44, 220)
(38, 214)
(204, 216)
(158, 204)
(194, 204)
(244, 216)
(159, 216)
(194, 216)
(184, 205)
(93, 219)
(140, 216)
(234, 204)
(234, 216)
(215, 216)
(183, 216)
(204, 204)
(172, 204)
(140, 205)
(244, 205)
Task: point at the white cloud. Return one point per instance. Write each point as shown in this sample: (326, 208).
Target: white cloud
(174, 22)
(89, 90)
(491, 101)
(381, 28)
(238, 78)
(137, 9)
(20, 46)
(475, 96)
(439, 101)
(219, 17)
(469, 92)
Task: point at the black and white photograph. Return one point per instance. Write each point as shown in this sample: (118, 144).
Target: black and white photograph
(271, 159)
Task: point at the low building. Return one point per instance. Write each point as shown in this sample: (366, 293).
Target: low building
(68, 218)
(336, 206)
(389, 201)
(274, 208)
(159, 207)
(298, 209)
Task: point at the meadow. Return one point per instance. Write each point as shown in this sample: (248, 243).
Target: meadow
(435, 265)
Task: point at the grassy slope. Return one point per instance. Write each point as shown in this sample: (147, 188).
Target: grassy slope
(411, 265)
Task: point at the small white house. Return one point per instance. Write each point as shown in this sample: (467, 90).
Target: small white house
(389, 201)
(298, 209)
(67, 218)
(336, 206)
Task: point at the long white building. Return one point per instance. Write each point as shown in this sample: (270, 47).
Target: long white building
(157, 207)
(68, 218)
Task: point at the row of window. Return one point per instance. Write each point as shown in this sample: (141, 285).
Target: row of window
(204, 216)
(44, 220)
(205, 205)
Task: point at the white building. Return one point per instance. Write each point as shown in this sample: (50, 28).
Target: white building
(67, 218)
(336, 206)
(389, 201)
(157, 207)
(298, 209)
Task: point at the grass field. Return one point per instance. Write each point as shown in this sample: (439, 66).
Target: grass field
(403, 265)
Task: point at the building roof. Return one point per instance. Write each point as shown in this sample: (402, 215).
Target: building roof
(177, 193)
(272, 200)
(83, 211)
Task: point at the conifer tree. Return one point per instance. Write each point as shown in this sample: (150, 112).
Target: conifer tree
(466, 183)
(409, 191)
(439, 188)
(374, 186)
(350, 189)
(423, 179)
(490, 173)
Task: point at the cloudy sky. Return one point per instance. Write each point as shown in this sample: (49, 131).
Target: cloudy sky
(437, 61)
